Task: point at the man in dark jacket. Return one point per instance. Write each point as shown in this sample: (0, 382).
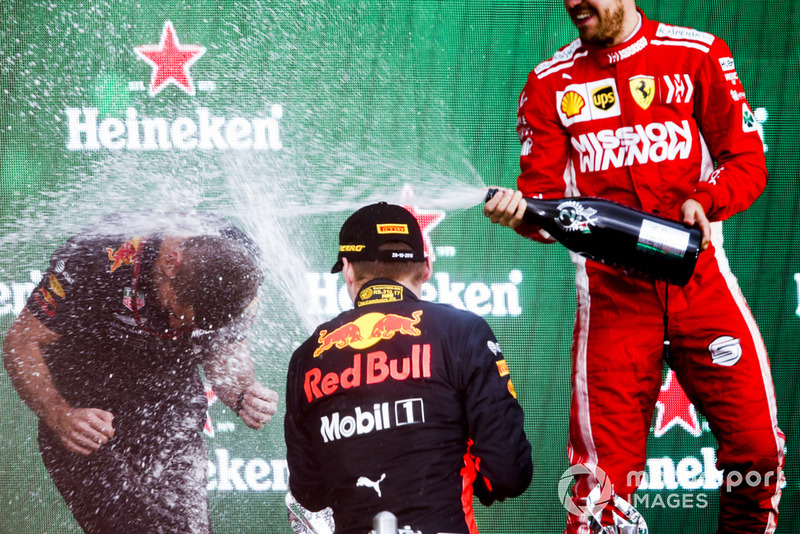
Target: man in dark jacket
(401, 405)
(106, 354)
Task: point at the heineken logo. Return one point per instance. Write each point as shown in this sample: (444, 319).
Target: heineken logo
(199, 130)
(194, 128)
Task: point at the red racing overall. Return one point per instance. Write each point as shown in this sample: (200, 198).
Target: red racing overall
(643, 123)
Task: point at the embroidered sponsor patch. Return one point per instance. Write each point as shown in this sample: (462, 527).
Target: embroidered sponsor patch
(368, 330)
(393, 228)
(127, 299)
(56, 287)
(678, 87)
(502, 367)
(727, 63)
(749, 123)
(124, 255)
(572, 104)
(725, 351)
(378, 294)
(679, 32)
(643, 90)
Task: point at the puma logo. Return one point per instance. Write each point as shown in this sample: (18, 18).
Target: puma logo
(367, 483)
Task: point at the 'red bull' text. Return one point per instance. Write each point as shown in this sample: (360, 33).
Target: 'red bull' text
(373, 368)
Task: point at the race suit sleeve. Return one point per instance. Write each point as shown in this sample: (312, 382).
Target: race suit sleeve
(305, 482)
(494, 419)
(545, 157)
(730, 131)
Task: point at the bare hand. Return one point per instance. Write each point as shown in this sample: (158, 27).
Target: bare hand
(505, 208)
(259, 404)
(82, 430)
(693, 214)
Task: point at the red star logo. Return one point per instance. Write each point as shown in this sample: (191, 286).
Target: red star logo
(211, 397)
(170, 61)
(674, 408)
(427, 221)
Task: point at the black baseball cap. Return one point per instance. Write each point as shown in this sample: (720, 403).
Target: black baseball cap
(372, 226)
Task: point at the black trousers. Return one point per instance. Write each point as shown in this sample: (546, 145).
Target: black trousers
(149, 486)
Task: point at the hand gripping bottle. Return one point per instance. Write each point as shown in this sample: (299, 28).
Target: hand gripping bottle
(606, 231)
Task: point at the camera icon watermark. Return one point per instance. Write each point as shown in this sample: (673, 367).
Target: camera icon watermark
(589, 506)
(624, 516)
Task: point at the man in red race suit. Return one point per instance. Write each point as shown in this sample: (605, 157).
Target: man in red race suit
(655, 117)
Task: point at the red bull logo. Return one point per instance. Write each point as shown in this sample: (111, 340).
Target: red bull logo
(124, 255)
(380, 326)
(48, 297)
(373, 368)
(44, 304)
(392, 324)
(342, 337)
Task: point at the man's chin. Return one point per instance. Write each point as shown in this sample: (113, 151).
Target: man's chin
(590, 37)
(588, 33)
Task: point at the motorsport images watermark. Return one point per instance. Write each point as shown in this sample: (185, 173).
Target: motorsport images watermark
(731, 480)
(602, 495)
(673, 501)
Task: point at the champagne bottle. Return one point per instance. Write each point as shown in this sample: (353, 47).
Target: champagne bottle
(384, 523)
(614, 234)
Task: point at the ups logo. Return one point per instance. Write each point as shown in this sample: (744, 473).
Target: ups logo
(604, 98)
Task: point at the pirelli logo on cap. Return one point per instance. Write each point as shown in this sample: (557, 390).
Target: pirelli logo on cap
(351, 248)
(392, 228)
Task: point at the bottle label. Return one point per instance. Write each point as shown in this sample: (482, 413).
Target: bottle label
(663, 239)
(573, 216)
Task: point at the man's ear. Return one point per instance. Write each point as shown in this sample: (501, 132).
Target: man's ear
(349, 279)
(173, 262)
(348, 272)
(428, 269)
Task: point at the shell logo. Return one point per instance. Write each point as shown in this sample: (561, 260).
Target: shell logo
(572, 103)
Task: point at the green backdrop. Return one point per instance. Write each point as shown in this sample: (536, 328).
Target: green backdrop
(289, 115)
